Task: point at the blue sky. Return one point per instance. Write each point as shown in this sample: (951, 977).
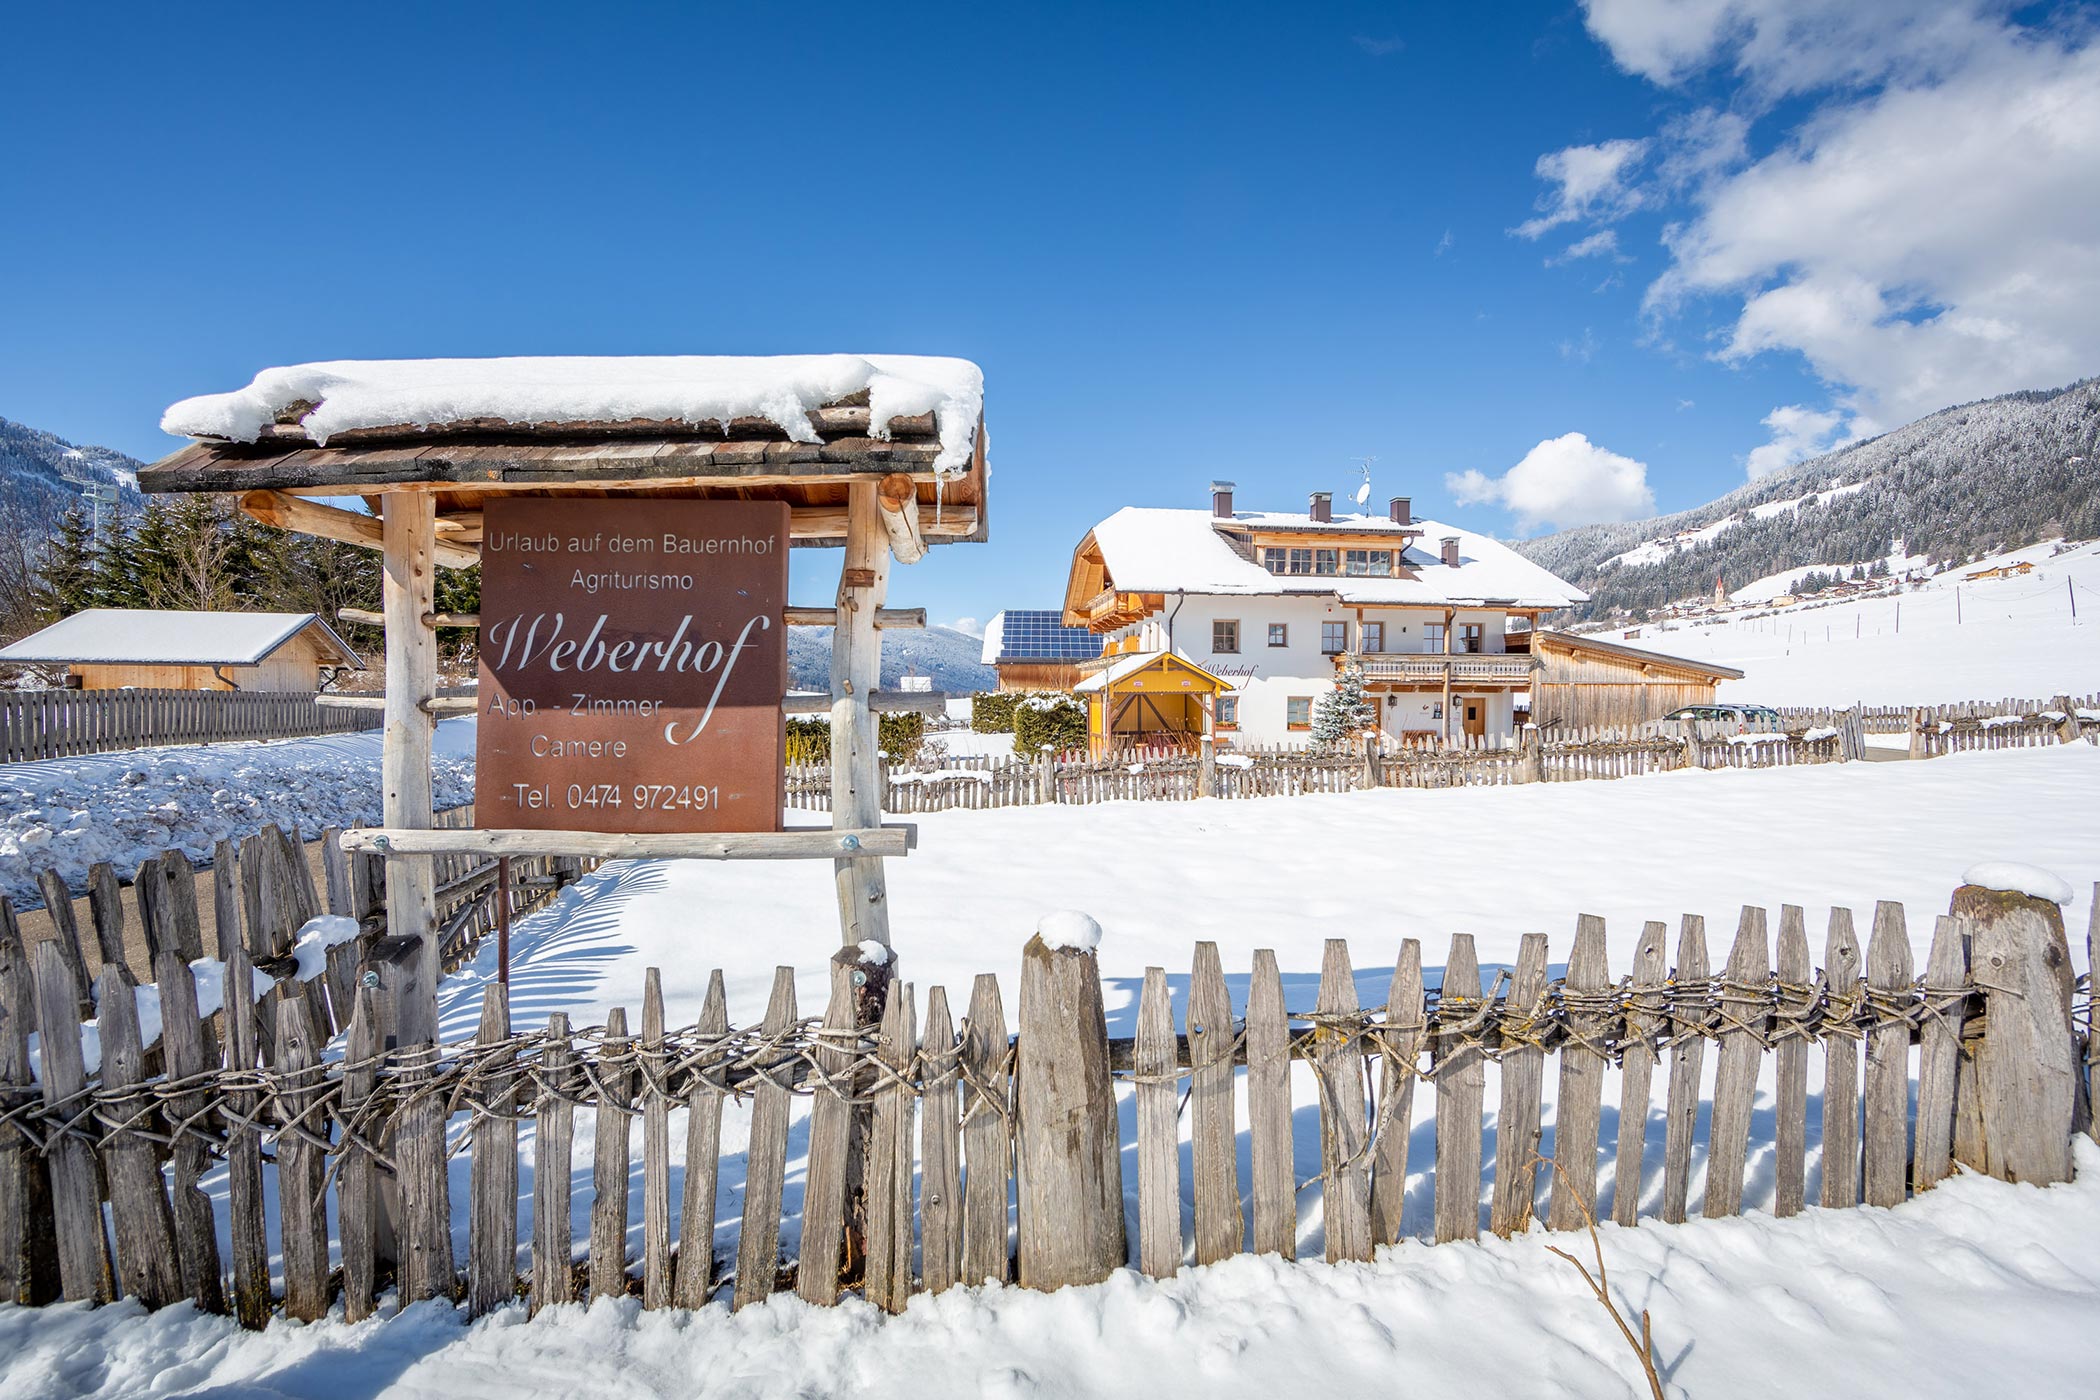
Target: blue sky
(1256, 242)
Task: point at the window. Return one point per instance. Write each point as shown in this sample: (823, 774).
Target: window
(1297, 712)
(1325, 563)
(1367, 563)
(1472, 636)
(1225, 635)
(1373, 636)
(1228, 712)
(1279, 634)
(1334, 638)
(1432, 636)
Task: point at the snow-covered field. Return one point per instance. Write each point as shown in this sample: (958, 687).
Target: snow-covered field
(1947, 640)
(1920, 1299)
(1978, 1288)
(68, 813)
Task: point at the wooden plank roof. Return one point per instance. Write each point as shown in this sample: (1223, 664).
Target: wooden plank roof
(464, 464)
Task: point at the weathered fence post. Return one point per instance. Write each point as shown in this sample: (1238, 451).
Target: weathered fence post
(1046, 775)
(1207, 768)
(2067, 728)
(1071, 1169)
(2027, 1071)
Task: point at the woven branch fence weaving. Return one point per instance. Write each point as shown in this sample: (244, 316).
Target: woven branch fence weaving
(947, 1151)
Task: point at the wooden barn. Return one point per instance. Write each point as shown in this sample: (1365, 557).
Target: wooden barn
(1032, 649)
(163, 649)
(1584, 682)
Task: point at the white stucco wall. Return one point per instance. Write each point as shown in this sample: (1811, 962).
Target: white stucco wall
(1268, 677)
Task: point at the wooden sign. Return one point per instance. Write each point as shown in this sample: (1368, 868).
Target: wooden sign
(633, 660)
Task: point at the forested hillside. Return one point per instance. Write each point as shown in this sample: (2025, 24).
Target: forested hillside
(1956, 485)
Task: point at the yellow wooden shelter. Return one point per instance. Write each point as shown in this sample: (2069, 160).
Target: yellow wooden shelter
(1148, 699)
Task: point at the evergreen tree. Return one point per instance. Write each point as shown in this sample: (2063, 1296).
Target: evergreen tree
(1346, 710)
(66, 572)
(116, 576)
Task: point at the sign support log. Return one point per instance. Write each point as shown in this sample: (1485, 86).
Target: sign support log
(410, 522)
(856, 670)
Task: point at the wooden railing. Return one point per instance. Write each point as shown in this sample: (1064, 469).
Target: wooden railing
(1462, 666)
(62, 723)
(957, 1108)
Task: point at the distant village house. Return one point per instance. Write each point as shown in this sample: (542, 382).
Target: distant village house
(155, 649)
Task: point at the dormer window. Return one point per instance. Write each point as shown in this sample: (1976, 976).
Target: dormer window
(1316, 563)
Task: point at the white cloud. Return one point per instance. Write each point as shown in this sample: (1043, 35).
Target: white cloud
(1920, 246)
(1604, 243)
(1797, 433)
(1378, 48)
(1592, 182)
(1564, 481)
(968, 626)
(1443, 245)
(1581, 351)
(1784, 47)
(1926, 231)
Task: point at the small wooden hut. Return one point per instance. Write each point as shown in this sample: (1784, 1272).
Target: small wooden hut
(1585, 682)
(170, 649)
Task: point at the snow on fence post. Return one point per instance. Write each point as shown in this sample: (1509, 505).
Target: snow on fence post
(1207, 768)
(1070, 1161)
(2026, 1070)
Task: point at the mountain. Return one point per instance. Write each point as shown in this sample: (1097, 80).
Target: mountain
(1956, 485)
(42, 475)
(949, 656)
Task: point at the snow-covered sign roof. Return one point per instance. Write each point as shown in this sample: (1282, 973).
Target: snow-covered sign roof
(161, 637)
(1149, 550)
(796, 428)
(336, 396)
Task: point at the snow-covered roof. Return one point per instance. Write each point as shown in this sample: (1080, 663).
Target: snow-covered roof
(1124, 667)
(1151, 550)
(160, 637)
(599, 389)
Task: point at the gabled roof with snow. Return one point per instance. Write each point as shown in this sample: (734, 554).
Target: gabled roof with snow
(1124, 667)
(159, 637)
(1149, 550)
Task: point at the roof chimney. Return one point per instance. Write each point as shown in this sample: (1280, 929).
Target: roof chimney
(1401, 511)
(1221, 500)
(1322, 507)
(1451, 551)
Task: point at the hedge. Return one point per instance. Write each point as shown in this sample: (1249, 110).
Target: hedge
(1054, 722)
(992, 711)
(899, 736)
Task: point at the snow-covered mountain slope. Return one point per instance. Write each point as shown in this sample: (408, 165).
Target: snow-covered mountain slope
(41, 475)
(2031, 636)
(1956, 485)
(950, 657)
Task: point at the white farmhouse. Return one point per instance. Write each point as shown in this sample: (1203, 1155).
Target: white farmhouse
(1269, 604)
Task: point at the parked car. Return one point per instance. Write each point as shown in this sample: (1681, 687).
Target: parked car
(1739, 719)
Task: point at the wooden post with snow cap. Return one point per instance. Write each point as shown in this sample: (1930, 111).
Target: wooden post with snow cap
(2027, 1068)
(1071, 1193)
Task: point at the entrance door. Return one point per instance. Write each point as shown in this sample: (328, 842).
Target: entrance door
(1476, 717)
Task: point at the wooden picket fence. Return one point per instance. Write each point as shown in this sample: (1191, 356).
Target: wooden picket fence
(1897, 719)
(63, 723)
(1013, 1143)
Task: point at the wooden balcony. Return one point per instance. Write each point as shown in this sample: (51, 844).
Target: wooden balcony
(1463, 667)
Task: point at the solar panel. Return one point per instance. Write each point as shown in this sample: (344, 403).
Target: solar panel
(1035, 634)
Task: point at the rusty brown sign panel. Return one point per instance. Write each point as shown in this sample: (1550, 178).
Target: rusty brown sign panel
(633, 660)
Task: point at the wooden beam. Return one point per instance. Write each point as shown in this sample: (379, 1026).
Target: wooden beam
(430, 619)
(806, 844)
(288, 512)
(881, 702)
(834, 421)
(436, 705)
(410, 526)
(886, 619)
(899, 495)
